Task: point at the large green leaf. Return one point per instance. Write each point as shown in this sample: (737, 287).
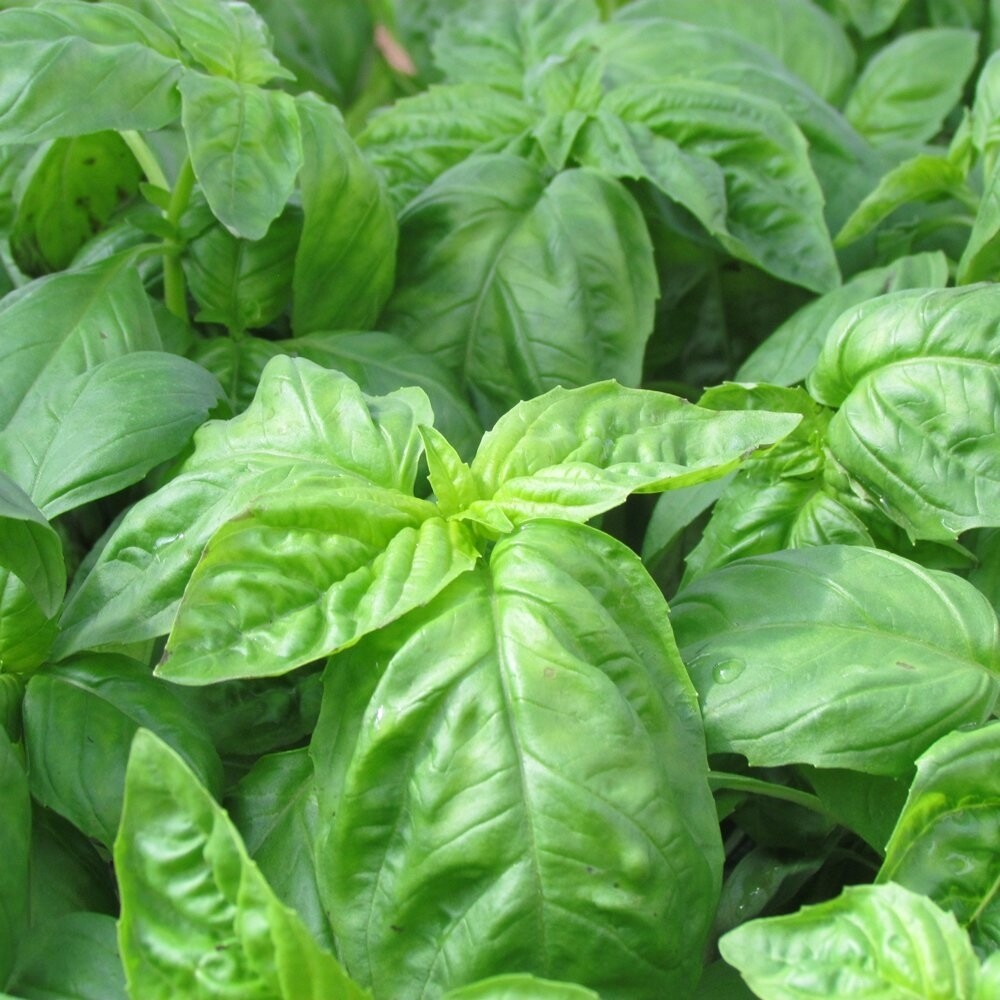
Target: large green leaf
(307, 571)
(418, 138)
(246, 149)
(275, 809)
(73, 190)
(30, 547)
(346, 260)
(520, 283)
(74, 957)
(799, 658)
(908, 87)
(229, 39)
(804, 37)
(473, 821)
(15, 837)
(57, 327)
(574, 453)
(54, 52)
(896, 367)
(870, 942)
(198, 918)
(946, 844)
(789, 354)
(305, 426)
(96, 702)
(105, 429)
(774, 205)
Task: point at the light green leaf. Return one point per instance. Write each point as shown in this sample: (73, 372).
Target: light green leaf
(74, 957)
(872, 17)
(275, 809)
(186, 881)
(470, 821)
(910, 85)
(520, 282)
(986, 113)
(870, 943)
(306, 426)
(30, 547)
(229, 39)
(799, 658)
(73, 190)
(946, 844)
(26, 632)
(797, 32)
(15, 837)
(58, 327)
(105, 429)
(789, 354)
(989, 978)
(455, 487)
(925, 177)
(418, 138)
(346, 260)
(243, 284)
(574, 453)
(246, 148)
(96, 702)
(981, 258)
(498, 44)
(774, 205)
(895, 367)
(52, 53)
(520, 987)
(307, 571)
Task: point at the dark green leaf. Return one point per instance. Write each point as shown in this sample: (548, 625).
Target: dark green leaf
(30, 547)
(186, 879)
(872, 941)
(799, 658)
(470, 821)
(868, 804)
(908, 87)
(520, 283)
(26, 632)
(946, 844)
(15, 837)
(246, 148)
(346, 260)
(73, 191)
(96, 702)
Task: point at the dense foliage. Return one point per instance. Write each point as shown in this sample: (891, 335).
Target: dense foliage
(499, 501)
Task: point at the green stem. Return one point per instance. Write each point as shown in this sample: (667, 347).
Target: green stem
(174, 289)
(146, 159)
(742, 783)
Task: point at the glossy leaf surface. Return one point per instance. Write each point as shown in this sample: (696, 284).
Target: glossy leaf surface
(798, 658)
(471, 823)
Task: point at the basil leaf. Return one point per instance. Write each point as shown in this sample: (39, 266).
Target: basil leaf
(74, 957)
(868, 804)
(980, 260)
(246, 149)
(946, 843)
(229, 39)
(418, 138)
(287, 436)
(471, 823)
(185, 878)
(907, 88)
(53, 52)
(872, 17)
(480, 289)
(346, 260)
(870, 940)
(895, 366)
(105, 429)
(275, 809)
(73, 191)
(575, 453)
(15, 836)
(26, 632)
(307, 571)
(30, 547)
(96, 702)
(520, 987)
(774, 202)
(798, 658)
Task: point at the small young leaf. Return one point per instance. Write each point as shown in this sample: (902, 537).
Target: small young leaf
(186, 879)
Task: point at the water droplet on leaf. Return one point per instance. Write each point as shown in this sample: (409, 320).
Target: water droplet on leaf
(726, 671)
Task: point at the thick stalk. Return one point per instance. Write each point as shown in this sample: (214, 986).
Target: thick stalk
(174, 288)
(742, 783)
